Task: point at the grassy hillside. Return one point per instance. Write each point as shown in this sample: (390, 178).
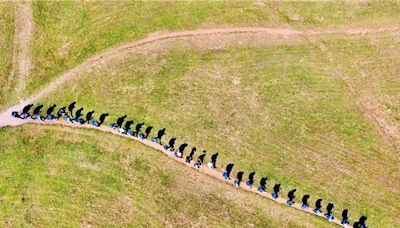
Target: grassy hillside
(370, 66)
(6, 47)
(53, 176)
(283, 111)
(67, 33)
(291, 112)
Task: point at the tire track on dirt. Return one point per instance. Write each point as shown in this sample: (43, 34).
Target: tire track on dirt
(24, 28)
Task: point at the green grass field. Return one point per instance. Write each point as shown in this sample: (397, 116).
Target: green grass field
(6, 47)
(293, 110)
(67, 33)
(372, 69)
(54, 176)
(281, 111)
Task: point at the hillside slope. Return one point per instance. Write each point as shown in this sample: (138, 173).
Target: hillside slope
(66, 33)
(283, 111)
(61, 176)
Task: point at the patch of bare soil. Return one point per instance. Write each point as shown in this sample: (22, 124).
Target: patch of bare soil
(23, 34)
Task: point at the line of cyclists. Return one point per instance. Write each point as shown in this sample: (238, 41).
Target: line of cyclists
(77, 117)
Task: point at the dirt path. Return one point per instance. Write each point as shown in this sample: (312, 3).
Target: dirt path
(22, 63)
(215, 173)
(107, 55)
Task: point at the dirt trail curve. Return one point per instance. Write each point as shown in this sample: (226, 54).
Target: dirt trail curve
(107, 55)
(215, 173)
(24, 27)
(7, 120)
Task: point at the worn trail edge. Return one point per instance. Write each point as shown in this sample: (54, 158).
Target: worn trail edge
(215, 173)
(7, 120)
(115, 51)
(24, 28)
